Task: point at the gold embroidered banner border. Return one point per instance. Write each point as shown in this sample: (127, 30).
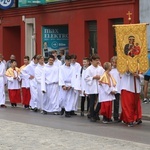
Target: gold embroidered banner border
(132, 48)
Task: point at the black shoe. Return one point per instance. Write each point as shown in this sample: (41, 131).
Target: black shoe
(72, 113)
(117, 120)
(44, 112)
(3, 106)
(93, 120)
(88, 116)
(82, 113)
(97, 118)
(12, 105)
(67, 115)
(139, 122)
(62, 111)
(130, 124)
(15, 104)
(35, 109)
(110, 120)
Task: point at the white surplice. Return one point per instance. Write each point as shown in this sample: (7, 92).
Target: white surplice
(57, 63)
(83, 82)
(66, 99)
(127, 83)
(24, 80)
(27, 72)
(2, 83)
(117, 76)
(105, 92)
(13, 83)
(92, 84)
(38, 72)
(49, 84)
(76, 84)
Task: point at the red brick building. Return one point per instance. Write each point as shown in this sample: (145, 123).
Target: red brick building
(89, 24)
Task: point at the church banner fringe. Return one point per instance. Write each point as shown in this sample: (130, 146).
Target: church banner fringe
(132, 48)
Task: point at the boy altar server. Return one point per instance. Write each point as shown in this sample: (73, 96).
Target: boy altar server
(66, 93)
(38, 72)
(50, 87)
(84, 96)
(117, 76)
(57, 62)
(92, 76)
(2, 82)
(26, 96)
(13, 78)
(29, 73)
(77, 83)
(107, 91)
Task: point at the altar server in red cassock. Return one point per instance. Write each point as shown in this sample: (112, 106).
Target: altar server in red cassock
(130, 98)
(107, 91)
(13, 77)
(29, 73)
(26, 96)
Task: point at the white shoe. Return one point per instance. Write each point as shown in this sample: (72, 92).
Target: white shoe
(145, 100)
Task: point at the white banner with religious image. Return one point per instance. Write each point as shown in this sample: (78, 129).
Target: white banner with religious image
(132, 48)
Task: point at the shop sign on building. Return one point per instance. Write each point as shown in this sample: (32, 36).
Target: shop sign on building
(29, 3)
(6, 4)
(54, 38)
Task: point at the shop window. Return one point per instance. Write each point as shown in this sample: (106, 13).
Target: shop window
(92, 28)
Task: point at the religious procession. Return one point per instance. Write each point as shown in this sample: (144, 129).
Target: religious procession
(56, 86)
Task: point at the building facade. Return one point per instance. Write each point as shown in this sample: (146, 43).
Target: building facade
(80, 27)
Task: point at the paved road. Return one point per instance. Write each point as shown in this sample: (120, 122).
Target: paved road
(23, 130)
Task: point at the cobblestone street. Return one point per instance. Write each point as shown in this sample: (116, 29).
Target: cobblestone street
(22, 136)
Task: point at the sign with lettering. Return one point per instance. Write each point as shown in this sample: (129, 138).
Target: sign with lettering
(6, 4)
(28, 3)
(36, 1)
(54, 38)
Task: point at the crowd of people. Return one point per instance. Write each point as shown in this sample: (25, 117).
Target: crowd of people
(55, 87)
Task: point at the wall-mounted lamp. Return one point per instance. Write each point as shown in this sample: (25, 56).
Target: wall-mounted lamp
(23, 18)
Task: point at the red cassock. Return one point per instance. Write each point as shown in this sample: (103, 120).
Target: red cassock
(131, 106)
(106, 109)
(26, 96)
(14, 95)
